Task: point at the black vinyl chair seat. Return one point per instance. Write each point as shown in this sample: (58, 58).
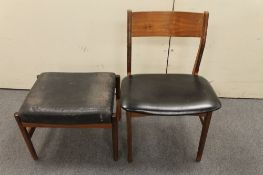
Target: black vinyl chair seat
(168, 94)
(70, 98)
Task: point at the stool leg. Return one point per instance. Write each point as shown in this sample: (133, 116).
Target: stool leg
(205, 128)
(26, 137)
(118, 94)
(115, 137)
(31, 131)
(129, 136)
(118, 109)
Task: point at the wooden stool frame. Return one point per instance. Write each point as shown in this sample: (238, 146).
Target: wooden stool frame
(27, 129)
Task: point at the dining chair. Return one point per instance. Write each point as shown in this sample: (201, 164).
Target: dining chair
(168, 94)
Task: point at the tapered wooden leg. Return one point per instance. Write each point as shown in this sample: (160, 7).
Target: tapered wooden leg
(205, 128)
(115, 137)
(129, 136)
(31, 131)
(118, 95)
(201, 119)
(118, 109)
(26, 137)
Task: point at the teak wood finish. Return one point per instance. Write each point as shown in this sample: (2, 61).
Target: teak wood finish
(166, 24)
(28, 133)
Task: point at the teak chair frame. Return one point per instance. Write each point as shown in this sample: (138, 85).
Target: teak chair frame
(178, 24)
(27, 129)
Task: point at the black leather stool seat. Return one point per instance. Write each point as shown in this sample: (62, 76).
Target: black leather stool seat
(70, 98)
(171, 94)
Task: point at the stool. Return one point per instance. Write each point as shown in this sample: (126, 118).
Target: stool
(71, 100)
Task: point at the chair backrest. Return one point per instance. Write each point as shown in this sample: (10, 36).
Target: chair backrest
(177, 24)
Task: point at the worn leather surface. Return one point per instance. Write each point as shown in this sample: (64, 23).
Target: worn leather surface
(70, 98)
(171, 94)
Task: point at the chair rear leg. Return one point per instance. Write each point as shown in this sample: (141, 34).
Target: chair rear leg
(204, 132)
(115, 138)
(26, 137)
(129, 136)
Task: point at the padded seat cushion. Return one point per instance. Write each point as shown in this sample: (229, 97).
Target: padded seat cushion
(168, 94)
(70, 98)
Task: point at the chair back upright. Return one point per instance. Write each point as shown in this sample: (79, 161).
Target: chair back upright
(166, 24)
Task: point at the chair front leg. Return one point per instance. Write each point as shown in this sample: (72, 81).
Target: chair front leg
(206, 123)
(129, 135)
(26, 136)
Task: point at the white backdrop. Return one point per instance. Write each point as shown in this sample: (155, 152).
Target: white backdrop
(88, 35)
